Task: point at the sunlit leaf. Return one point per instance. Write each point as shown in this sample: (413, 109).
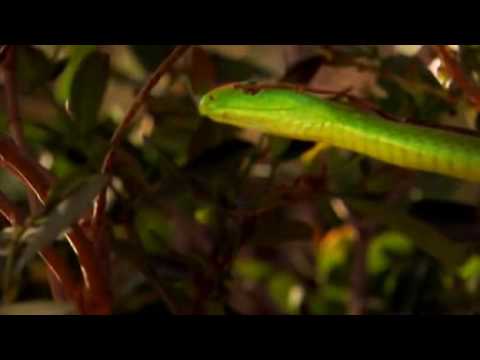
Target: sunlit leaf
(384, 246)
(286, 292)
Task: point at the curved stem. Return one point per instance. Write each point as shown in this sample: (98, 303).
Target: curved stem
(34, 177)
(163, 69)
(101, 245)
(14, 122)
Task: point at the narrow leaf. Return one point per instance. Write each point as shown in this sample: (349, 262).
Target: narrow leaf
(64, 83)
(60, 219)
(88, 90)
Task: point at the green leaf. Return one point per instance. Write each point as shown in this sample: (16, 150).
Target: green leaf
(34, 69)
(253, 270)
(232, 71)
(382, 246)
(471, 269)
(275, 227)
(152, 55)
(60, 219)
(88, 90)
(154, 230)
(286, 293)
(64, 83)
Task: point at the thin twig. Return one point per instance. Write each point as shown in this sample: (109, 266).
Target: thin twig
(456, 72)
(359, 295)
(101, 244)
(164, 68)
(141, 98)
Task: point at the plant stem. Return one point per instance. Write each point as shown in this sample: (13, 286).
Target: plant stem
(35, 179)
(102, 244)
(56, 264)
(141, 98)
(14, 121)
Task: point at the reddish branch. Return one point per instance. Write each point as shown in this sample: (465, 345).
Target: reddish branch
(31, 174)
(94, 296)
(141, 98)
(456, 72)
(56, 264)
(57, 267)
(14, 122)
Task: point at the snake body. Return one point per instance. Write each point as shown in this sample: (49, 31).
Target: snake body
(302, 116)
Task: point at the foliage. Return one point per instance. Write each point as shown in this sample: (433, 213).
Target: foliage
(208, 219)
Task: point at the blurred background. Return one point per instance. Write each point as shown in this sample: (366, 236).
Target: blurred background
(208, 219)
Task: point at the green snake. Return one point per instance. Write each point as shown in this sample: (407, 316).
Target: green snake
(303, 116)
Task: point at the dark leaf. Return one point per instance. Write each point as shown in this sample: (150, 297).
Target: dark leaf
(154, 230)
(233, 71)
(152, 55)
(470, 59)
(202, 72)
(304, 71)
(88, 89)
(408, 99)
(275, 227)
(34, 69)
